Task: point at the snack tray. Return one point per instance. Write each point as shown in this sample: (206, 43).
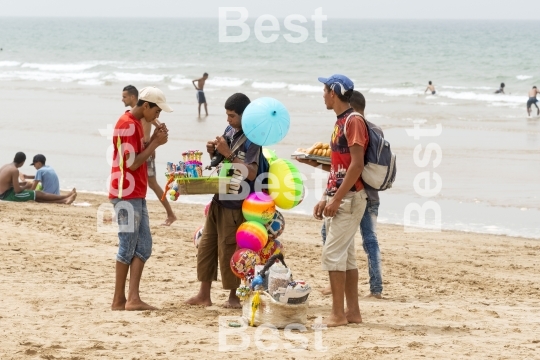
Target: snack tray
(320, 159)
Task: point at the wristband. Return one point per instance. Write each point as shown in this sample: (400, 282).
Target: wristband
(231, 157)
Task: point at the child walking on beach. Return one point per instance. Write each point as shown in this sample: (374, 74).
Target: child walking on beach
(129, 179)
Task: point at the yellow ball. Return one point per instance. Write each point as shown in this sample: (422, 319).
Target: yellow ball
(285, 184)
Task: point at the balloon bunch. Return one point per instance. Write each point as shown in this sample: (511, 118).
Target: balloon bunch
(257, 237)
(266, 122)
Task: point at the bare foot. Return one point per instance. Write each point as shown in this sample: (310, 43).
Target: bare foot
(118, 305)
(138, 305)
(71, 199)
(232, 304)
(327, 290)
(196, 300)
(169, 220)
(333, 321)
(353, 317)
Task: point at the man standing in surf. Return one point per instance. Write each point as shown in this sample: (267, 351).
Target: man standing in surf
(431, 88)
(344, 202)
(127, 192)
(533, 101)
(201, 99)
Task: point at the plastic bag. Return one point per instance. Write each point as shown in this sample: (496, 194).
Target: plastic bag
(279, 277)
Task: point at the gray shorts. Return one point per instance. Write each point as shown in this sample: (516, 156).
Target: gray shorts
(134, 234)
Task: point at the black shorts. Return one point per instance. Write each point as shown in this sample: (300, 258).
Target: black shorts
(200, 97)
(532, 101)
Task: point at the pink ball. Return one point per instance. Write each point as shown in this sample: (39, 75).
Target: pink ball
(251, 235)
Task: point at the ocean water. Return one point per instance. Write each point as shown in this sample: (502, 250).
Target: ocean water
(61, 79)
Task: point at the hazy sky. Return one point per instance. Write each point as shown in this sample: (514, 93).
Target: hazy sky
(377, 9)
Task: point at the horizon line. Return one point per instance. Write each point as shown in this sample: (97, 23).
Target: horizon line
(249, 18)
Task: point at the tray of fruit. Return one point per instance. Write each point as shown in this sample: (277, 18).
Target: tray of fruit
(319, 152)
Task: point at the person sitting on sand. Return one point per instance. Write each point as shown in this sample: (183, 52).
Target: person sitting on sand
(431, 88)
(532, 101)
(130, 96)
(218, 241)
(501, 89)
(201, 99)
(344, 202)
(45, 179)
(13, 190)
(127, 192)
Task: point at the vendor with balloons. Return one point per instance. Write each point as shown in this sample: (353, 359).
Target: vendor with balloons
(218, 240)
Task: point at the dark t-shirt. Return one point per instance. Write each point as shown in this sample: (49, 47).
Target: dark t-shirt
(249, 155)
(370, 192)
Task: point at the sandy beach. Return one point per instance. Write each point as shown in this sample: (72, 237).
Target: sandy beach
(447, 295)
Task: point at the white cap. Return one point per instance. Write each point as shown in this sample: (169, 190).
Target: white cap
(154, 95)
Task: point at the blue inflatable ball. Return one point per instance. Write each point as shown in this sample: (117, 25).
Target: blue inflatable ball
(275, 227)
(266, 121)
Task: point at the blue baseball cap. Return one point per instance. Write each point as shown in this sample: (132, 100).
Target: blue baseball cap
(345, 84)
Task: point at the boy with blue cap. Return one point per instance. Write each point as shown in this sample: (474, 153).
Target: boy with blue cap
(344, 202)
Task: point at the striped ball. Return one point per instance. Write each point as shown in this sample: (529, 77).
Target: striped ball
(251, 235)
(259, 207)
(285, 184)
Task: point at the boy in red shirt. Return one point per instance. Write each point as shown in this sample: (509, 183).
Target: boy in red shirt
(345, 200)
(129, 179)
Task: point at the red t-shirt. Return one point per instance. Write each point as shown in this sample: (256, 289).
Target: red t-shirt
(357, 134)
(128, 138)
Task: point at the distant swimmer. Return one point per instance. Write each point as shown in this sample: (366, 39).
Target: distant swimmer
(501, 89)
(431, 88)
(533, 101)
(200, 92)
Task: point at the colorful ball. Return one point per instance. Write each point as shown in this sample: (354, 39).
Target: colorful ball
(285, 184)
(265, 121)
(258, 207)
(273, 247)
(243, 263)
(251, 235)
(276, 226)
(172, 193)
(197, 235)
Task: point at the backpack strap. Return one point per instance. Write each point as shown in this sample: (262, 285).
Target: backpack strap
(239, 143)
(347, 121)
